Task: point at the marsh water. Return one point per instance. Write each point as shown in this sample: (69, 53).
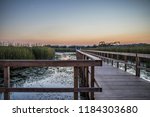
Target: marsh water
(131, 69)
(44, 77)
(52, 77)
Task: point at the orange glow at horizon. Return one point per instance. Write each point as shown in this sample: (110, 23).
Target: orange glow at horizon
(75, 22)
(88, 40)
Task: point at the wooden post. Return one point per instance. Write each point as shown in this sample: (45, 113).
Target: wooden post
(75, 83)
(77, 55)
(112, 60)
(117, 61)
(125, 65)
(107, 58)
(6, 82)
(104, 56)
(86, 81)
(92, 82)
(137, 64)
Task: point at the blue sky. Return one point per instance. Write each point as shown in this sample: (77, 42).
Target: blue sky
(75, 21)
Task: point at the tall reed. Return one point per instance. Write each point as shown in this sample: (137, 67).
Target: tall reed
(11, 52)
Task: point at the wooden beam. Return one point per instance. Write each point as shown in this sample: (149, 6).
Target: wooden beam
(88, 55)
(82, 89)
(52, 63)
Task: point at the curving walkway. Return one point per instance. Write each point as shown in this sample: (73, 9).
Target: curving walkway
(120, 85)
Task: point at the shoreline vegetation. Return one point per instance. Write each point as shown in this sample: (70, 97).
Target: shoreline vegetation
(28, 53)
(48, 51)
(130, 48)
(32, 51)
(12, 52)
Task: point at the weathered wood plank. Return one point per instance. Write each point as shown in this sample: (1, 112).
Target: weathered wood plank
(118, 85)
(82, 89)
(52, 63)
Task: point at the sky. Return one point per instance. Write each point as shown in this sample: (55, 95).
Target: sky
(75, 22)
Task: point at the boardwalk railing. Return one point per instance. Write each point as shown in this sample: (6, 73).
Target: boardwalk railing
(77, 64)
(114, 57)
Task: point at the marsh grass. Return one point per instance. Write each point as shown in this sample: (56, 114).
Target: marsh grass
(11, 52)
(143, 49)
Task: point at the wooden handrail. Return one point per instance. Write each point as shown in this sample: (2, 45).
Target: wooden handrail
(106, 54)
(46, 63)
(81, 89)
(81, 55)
(94, 61)
(122, 53)
(89, 56)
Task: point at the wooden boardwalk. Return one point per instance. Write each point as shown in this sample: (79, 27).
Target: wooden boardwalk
(119, 85)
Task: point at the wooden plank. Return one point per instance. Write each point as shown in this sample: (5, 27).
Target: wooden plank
(118, 85)
(82, 89)
(52, 63)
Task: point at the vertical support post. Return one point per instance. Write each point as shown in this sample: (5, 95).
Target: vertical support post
(137, 64)
(92, 81)
(86, 81)
(112, 60)
(125, 65)
(104, 56)
(75, 83)
(87, 76)
(77, 55)
(107, 58)
(6, 82)
(117, 61)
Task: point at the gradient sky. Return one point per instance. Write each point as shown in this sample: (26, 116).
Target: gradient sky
(71, 22)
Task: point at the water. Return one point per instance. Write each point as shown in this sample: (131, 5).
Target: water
(45, 77)
(131, 69)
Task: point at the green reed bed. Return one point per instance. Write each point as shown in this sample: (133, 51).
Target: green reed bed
(144, 49)
(11, 52)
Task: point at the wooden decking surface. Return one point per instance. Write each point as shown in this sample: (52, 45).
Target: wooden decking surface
(119, 85)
